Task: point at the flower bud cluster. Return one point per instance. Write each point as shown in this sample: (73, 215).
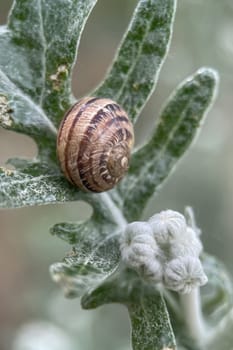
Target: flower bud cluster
(166, 250)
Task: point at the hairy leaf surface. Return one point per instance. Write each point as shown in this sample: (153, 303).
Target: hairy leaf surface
(178, 125)
(134, 73)
(151, 328)
(95, 253)
(38, 50)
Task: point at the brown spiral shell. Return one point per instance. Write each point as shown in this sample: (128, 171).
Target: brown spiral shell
(94, 142)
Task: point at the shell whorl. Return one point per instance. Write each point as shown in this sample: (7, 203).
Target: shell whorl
(94, 142)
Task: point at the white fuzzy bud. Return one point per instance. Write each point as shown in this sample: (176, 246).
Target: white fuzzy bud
(152, 271)
(184, 274)
(140, 251)
(187, 244)
(167, 225)
(136, 228)
(137, 244)
(164, 249)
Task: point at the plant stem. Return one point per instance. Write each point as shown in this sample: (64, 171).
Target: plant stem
(115, 211)
(192, 313)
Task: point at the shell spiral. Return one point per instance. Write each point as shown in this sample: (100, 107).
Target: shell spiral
(94, 142)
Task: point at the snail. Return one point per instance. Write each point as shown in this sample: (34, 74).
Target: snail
(94, 142)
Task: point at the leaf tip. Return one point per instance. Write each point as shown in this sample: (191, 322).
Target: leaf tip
(61, 275)
(87, 303)
(210, 78)
(209, 72)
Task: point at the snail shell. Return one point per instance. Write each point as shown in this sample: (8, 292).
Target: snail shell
(94, 143)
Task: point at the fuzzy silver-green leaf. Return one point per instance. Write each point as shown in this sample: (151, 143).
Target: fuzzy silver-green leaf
(38, 50)
(178, 125)
(150, 323)
(134, 73)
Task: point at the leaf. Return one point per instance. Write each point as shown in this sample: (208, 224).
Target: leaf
(39, 61)
(134, 73)
(217, 304)
(217, 294)
(151, 328)
(177, 127)
(94, 256)
(36, 184)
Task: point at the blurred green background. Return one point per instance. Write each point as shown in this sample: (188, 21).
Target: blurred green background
(33, 313)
